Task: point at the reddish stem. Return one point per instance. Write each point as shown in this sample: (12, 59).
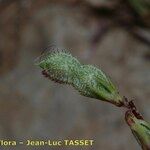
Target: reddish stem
(130, 105)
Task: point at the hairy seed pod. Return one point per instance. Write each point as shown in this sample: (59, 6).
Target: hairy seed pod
(140, 129)
(90, 81)
(60, 66)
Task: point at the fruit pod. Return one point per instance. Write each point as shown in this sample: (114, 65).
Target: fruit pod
(90, 81)
(59, 66)
(139, 128)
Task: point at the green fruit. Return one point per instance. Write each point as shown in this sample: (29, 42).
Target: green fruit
(60, 66)
(140, 129)
(90, 81)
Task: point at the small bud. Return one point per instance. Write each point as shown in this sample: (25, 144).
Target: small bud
(139, 128)
(62, 67)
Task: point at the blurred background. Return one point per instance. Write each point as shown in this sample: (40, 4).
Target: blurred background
(112, 35)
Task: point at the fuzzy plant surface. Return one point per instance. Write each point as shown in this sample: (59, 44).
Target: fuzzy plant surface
(89, 81)
(139, 128)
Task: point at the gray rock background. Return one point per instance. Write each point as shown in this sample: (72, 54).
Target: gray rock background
(32, 107)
